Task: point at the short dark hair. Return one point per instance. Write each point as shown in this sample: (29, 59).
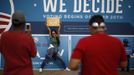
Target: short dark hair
(18, 19)
(96, 18)
(53, 30)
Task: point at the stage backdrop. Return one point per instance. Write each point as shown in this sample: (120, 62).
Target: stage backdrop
(74, 16)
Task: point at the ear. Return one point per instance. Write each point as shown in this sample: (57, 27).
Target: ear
(89, 27)
(105, 28)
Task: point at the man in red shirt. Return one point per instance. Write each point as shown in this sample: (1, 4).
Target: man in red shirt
(99, 54)
(17, 48)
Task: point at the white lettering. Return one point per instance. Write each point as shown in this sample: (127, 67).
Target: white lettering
(77, 7)
(61, 6)
(118, 5)
(103, 7)
(85, 6)
(110, 6)
(93, 6)
(50, 4)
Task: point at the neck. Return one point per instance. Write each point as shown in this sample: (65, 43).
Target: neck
(100, 32)
(18, 29)
(97, 30)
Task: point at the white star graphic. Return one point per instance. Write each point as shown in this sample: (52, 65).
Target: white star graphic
(129, 6)
(35, 5)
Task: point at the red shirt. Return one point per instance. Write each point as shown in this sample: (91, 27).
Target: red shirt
(100, 54)
(17, 49)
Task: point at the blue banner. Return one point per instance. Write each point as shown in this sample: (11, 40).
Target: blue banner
(71, 10)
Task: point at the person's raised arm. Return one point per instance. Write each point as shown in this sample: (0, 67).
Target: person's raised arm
(49, 30)
(59, 30)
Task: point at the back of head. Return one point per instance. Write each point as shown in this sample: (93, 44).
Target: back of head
(96, 18)
(97, 23)
(18, 19)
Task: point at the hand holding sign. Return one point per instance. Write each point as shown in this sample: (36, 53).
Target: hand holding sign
(53, 22)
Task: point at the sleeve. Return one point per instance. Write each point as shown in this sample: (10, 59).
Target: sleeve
(32, 48)
(123, 52)
(78, 51)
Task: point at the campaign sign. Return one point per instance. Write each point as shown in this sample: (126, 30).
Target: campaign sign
(53, 21)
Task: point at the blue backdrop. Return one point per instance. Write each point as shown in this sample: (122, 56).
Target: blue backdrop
(74, 15)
